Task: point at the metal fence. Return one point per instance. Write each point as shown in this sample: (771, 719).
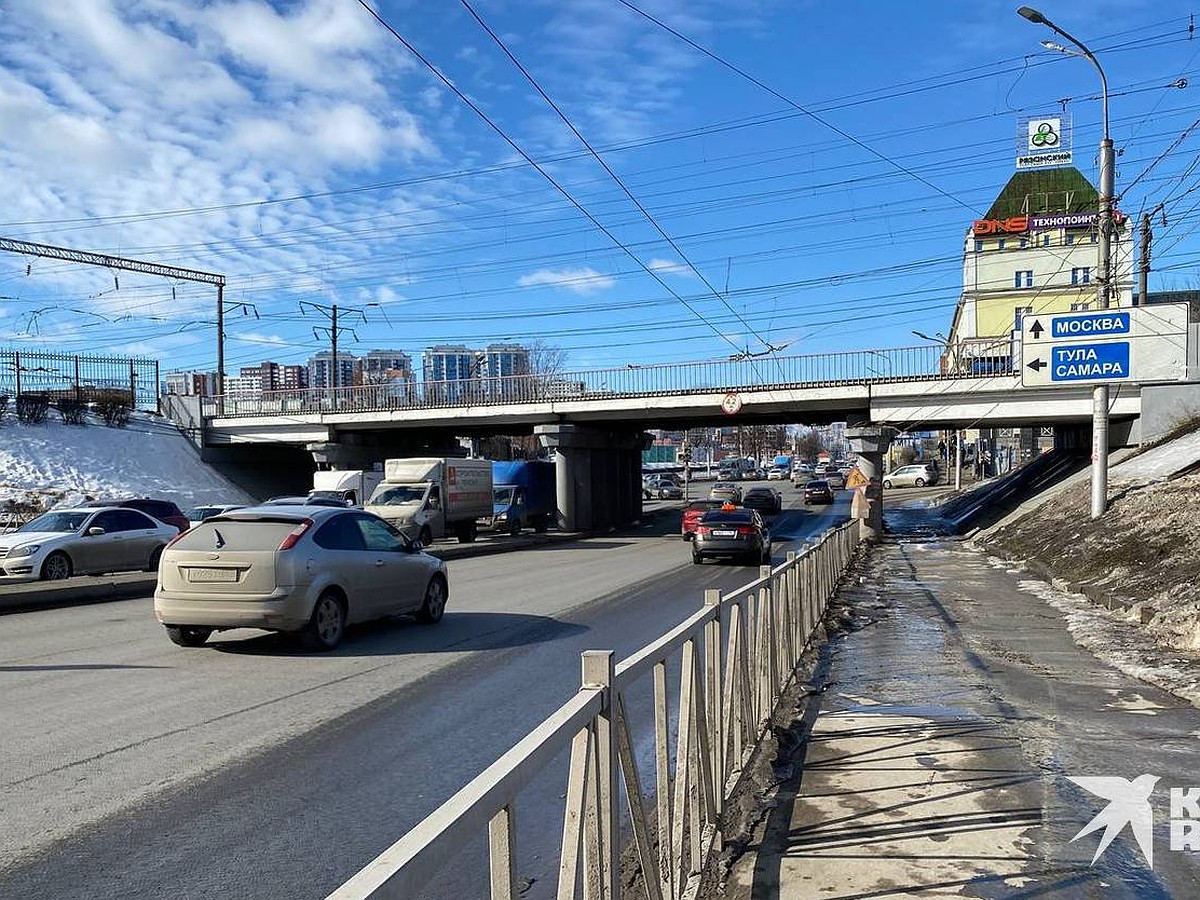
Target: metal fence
(738, 654)
(79, 377)
(853, 367)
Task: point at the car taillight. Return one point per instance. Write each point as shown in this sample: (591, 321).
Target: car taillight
(702, 529)
(295, 534)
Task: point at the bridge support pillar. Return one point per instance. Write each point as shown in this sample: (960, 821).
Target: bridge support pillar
(870, 443)
(597, 475)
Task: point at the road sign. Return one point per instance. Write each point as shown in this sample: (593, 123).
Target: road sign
(1144, 343)
(731, 405)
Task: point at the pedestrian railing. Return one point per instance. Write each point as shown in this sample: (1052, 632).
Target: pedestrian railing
(738, 374)
(738, 654)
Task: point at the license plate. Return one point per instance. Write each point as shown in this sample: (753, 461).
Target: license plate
(212, 575)
(724, 534)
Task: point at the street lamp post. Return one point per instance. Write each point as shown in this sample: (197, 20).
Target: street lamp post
(1104, 294)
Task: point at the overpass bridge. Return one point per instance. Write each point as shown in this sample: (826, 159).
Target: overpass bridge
(906, 388)
(596, 419)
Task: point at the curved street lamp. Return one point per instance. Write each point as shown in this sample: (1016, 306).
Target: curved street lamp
(1104, 223)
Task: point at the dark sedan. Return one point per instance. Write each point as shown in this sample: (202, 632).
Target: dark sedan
(732, 533)
(818, 491)
(764, 499)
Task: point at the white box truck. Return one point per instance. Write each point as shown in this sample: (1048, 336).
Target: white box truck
(354, 486)
(431, 497)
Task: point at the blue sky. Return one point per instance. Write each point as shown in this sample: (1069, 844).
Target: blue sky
(300, 150)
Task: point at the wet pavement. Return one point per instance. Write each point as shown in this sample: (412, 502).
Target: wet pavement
(945, 720)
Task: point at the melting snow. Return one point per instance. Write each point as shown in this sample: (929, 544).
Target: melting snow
(55, 463)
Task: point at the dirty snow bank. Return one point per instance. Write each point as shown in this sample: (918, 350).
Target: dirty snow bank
(1144, 554)
(52, 464)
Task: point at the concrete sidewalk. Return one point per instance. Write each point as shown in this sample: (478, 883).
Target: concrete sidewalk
(935, 743)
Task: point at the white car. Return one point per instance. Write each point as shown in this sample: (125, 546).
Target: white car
(68, 542)
(198, 514)
(917, 475)
(775, 474)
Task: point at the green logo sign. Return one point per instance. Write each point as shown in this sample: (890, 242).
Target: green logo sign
(1043, 136)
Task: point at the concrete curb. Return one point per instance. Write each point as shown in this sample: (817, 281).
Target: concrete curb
(25, 596)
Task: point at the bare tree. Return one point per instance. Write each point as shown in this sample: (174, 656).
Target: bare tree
(546, 359)
(809, 445)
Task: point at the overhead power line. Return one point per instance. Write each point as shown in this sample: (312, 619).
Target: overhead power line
(613, 175)
(792, 103)
(542, 171)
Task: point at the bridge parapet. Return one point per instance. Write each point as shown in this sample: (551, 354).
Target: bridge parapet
(736, 374)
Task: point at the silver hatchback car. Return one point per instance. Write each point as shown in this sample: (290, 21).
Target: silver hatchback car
(305, 570)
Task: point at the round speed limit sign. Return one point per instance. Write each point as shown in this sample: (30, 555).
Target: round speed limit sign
(731, 405)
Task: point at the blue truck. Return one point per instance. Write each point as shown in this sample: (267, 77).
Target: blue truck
(523, 494)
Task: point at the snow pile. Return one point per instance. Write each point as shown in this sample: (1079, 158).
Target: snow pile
(1143, 554)
(54, 464)
(1160, 463)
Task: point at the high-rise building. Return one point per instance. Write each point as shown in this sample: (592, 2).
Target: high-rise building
(276, 377)
(320, 370)
(385, 366)
(450, 372)
(499, 363)
(246, 386)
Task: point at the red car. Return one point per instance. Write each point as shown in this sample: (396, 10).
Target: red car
(692, 513)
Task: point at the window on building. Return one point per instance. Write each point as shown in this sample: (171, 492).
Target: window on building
(978, 246)
(1023, 278)
(1095, 237)
(1024, 243)
(1045, 240)
(1068, 238)
(1000, 244)
(1080, 307)
(1019, 314)
(1081, 275)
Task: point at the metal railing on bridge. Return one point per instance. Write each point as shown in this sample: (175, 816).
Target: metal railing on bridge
(964, 360)
(737, 653)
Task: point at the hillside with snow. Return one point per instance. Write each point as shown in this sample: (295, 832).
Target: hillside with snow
(53, 463)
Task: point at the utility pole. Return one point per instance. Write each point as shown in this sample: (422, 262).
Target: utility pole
(334, 330)
(1144, 263)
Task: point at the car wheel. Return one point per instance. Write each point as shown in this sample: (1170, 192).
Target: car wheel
(697, 559)
(185, 636)
(887, 484)
(56, 567)
(155, 558)
(425, 536)
(434, 605)
(920, 482)
(328, 623)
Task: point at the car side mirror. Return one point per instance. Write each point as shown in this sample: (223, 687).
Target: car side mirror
(414, 547)
(95, 531)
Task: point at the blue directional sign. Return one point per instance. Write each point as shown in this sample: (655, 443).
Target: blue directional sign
(1101, 324)
(1142, 345)
(1089, 362)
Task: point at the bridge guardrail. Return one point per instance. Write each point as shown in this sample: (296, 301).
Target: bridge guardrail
(968, 359)
(738, 654)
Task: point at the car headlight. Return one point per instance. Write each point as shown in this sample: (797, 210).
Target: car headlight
(503, 517)
(27, 550)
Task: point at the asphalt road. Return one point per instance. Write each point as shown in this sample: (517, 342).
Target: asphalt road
(131, 767)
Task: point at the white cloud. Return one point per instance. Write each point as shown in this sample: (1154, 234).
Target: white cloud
(580, 281)
(670, 267)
